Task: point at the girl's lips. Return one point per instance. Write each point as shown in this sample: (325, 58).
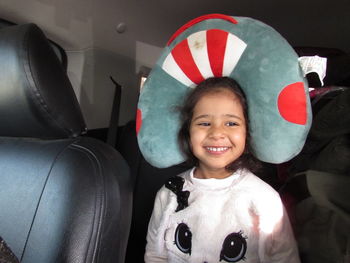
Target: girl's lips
(217, 149)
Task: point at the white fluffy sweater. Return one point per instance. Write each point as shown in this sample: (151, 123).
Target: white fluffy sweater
(236, 219)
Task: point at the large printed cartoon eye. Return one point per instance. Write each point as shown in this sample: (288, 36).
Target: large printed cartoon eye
(233, 248)
(183, 238)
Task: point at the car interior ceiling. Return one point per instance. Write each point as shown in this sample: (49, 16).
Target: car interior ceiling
(303, 182)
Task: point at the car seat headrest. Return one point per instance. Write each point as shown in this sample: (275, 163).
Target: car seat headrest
(36, 96)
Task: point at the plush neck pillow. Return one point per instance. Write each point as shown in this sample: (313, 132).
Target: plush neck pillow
(249, 51)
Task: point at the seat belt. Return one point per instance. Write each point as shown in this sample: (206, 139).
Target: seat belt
(113, 124)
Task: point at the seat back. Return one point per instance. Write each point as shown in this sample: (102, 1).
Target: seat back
(147, 180)
(63, 197)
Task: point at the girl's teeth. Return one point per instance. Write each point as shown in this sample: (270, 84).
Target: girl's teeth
(217, 149)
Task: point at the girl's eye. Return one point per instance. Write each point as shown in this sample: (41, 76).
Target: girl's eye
(231, 123)
(204, 124)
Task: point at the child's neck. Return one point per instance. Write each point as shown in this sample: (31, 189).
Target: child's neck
(201, 173)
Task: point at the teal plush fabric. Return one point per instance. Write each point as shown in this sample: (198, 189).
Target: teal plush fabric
(267, 65)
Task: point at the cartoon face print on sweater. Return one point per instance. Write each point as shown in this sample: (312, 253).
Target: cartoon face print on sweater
(201, 231)
(196, 236)
(233, 248)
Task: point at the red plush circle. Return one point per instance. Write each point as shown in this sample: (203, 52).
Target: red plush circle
(138, 120)
(292, 103)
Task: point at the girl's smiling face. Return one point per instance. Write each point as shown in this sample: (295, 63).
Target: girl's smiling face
(217, 133)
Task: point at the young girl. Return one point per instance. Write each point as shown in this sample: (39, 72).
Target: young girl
(218, 211)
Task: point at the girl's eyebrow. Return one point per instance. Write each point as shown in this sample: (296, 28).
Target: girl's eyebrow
(201, 117)
(207, 115)
(233, 116)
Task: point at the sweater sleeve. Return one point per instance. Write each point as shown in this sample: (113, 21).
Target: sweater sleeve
(277, 239)
(155, 250)
(283, 246)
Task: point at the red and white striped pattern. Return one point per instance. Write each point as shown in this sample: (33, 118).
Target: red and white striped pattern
(204, 54)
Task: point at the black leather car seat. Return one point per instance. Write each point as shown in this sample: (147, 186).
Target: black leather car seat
(63, 197)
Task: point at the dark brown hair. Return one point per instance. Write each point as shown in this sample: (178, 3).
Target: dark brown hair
(213, 85)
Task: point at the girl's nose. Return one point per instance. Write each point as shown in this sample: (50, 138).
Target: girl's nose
(216, 132)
